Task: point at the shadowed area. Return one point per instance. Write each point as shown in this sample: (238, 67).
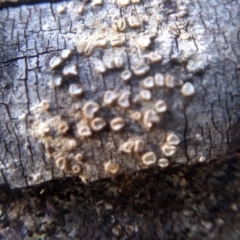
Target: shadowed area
(199, 202)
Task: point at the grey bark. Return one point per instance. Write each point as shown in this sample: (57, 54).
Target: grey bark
(201, 47)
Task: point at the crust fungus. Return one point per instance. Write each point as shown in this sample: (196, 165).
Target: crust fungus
(139, 146)
(149, 118)
(75, 90)
(111, 167)
(56, 81)
(133, 22)
(148, 82)
(144, 42)
(97, 124)
(61, 163)
(136, 116)
(45, 106)
(70, 70)
(127, 147)
(123, 100)
(120, 25)
(78, 157)
(172, 139)
(163, 162)
(55, 62)
(168, 150)
(117, 124)
(110, 97)
(63, 128)
(160, 106)
(43, 129)
(159, 79)
(60, 9)
(169, 81)
(90, 109)
(118, 62)
(100, 67)
(145, 95)
(85, 47)
(154, 57)
(76, 169)
(135, 1)
(71, 144)
(96, 3)
(117, 41)
(123, 3)
(126, 75)
(66, 53)
(101, 42)
(80, 9)
(84, 131)
(149, 158)
(187, 89)
(141, 69)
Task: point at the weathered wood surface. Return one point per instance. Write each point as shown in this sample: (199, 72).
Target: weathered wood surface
(198, 42)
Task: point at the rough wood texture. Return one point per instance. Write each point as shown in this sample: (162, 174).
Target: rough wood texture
(198, 42)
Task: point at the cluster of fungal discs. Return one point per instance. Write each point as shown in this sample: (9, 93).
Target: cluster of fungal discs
(66, 134)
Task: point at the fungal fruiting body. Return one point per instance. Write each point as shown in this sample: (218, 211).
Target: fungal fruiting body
(141, 69)
(75, 90)
(55, 62)
(90, 109)
(111, 167)
(110, 97)
(163, 162)
(187, 89)
(126, 75)
(121, 101)
(117, 124)
(149, 158)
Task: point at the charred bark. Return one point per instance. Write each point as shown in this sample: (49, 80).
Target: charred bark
(193, 42)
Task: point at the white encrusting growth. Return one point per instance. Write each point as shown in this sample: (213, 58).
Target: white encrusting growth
(160, 106)
(110, 97)
(169, 81)
(149, 118)
(75, 90)
(168, 150)
(56, 81)
(145, 95)
(84, 130)
(100, 67)
(126, 75)
(90, 109)
(117, 124)
(154, 57)
(76, 169)
(85, 47)
(66, 53)
(187, 89)
(97, 124)
(111, 167)
(144, 41)
(117, 41)
(97, 2)
(141, 69)
(172, 139)
(43, 129)
(148, 82)
(163, 162)
(124, 100)
(55, 62)
(61, 163)
(70, 70)
(133, 22)
(159, 80)
(149, 158)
